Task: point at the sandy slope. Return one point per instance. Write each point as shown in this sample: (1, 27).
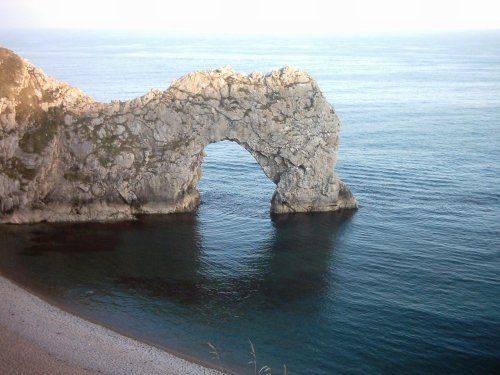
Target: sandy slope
(38, 338)
(21, 356)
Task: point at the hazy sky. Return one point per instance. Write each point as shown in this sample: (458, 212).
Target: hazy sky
(267, 16)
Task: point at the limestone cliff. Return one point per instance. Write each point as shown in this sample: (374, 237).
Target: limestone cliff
(66, 157)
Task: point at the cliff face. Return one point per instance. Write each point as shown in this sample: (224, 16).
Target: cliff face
(65, 157)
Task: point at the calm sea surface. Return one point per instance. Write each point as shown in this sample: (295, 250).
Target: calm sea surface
(408, 284)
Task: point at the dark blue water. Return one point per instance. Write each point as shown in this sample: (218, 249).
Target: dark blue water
(410, 283)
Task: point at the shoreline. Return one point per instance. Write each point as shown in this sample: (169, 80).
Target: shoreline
(53, 340)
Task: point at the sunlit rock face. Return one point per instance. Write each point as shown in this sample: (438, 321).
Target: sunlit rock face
(66, 157)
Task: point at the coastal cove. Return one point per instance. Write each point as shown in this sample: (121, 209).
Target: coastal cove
(408, 283)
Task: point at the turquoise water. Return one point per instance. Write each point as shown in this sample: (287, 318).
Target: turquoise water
(410, 283)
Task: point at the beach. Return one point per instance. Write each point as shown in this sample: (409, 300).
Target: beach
(37, 337)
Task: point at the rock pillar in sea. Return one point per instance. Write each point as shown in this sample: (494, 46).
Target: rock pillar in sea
(66, 157)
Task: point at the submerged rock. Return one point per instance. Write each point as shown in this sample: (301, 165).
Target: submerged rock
(66, 157)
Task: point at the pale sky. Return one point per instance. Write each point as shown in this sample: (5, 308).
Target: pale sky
(254, 16)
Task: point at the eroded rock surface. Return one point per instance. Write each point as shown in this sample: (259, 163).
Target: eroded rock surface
(66, 157)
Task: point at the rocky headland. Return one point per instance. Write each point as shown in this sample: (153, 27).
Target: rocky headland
(66, 157)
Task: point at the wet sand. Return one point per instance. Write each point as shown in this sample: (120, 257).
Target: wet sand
(38, 338)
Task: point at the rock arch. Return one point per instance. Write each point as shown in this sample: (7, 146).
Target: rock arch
(66, 157)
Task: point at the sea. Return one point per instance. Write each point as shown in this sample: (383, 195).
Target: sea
(407, 284)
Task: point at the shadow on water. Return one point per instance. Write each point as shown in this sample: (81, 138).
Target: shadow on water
(160, 256)
(295, 262)
(300, 255)
(156, 275)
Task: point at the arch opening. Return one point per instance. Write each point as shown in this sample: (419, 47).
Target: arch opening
(232, 181)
